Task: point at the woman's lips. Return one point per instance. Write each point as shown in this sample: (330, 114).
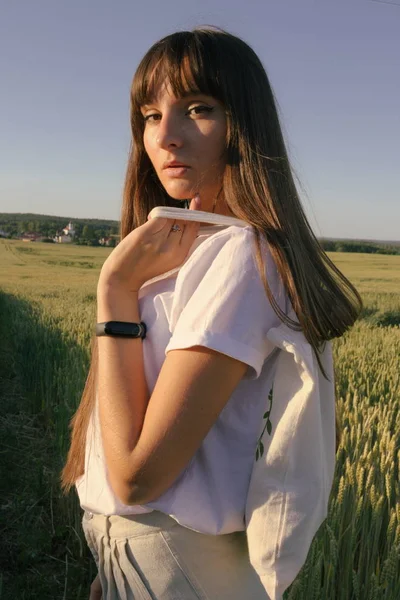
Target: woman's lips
(176, 171)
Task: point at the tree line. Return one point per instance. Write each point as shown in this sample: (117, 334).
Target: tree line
(359, 246)
(87, 231)
(90, 231)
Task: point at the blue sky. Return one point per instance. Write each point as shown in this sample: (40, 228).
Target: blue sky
(66, 69)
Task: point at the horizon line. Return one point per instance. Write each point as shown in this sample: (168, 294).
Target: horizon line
(331, 238)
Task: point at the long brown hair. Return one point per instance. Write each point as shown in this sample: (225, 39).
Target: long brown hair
(258, 188)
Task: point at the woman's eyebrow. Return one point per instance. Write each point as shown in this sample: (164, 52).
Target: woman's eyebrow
(192, 93)
(183, 96)
(196, 94)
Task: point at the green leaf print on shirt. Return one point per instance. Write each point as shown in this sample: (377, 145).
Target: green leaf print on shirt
(267, 426)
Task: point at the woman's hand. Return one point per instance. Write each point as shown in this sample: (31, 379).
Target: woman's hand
(95, 589)
(149, 250)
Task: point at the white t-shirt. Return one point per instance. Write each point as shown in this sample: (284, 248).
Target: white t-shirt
(215, 299)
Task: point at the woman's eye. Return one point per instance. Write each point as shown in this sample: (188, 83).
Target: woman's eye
(197, 110)
(150, 117)
(194, 110)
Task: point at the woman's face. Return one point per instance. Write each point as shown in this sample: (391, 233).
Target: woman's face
(185, 139)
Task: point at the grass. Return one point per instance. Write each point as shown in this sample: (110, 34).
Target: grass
(47, 304)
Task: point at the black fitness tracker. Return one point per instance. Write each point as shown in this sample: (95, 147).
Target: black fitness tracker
(121, 329)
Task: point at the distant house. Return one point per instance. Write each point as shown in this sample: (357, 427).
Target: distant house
(69, 229)
(105, 241)
(63, 239)
(4, 233)
(66, 236)
(33, 237)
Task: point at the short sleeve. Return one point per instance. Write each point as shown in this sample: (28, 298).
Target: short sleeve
(220, 301)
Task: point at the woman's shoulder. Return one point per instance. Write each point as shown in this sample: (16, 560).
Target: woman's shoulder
(230, 237)
(225, 254)
(232, 231)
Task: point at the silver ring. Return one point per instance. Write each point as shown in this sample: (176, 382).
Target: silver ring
(175, 228)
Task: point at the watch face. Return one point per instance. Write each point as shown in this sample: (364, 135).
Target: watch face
(121, 328)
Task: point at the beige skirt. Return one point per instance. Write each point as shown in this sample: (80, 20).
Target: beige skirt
(151, 557)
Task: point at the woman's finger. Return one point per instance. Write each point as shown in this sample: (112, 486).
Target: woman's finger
(189, 232)
(195, 203)
(95, 589)
(159, 224)
(190, 228)
(176, 234)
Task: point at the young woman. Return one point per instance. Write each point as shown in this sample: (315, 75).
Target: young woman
(165, 438)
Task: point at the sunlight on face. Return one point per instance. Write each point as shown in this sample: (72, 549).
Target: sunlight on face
(190, 133)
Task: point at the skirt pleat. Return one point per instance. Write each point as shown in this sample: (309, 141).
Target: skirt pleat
(120, 578)
(131, 577)
(105, 569)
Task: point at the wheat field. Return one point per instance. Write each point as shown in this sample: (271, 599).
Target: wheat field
(47, 304)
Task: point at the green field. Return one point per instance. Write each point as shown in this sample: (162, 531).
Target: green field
(47, 308)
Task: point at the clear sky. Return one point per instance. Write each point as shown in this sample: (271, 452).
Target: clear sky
(66, 68)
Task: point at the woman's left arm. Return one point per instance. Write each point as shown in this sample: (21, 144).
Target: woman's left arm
(149, 441)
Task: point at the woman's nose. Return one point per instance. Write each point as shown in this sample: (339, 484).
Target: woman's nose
(169, 133)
